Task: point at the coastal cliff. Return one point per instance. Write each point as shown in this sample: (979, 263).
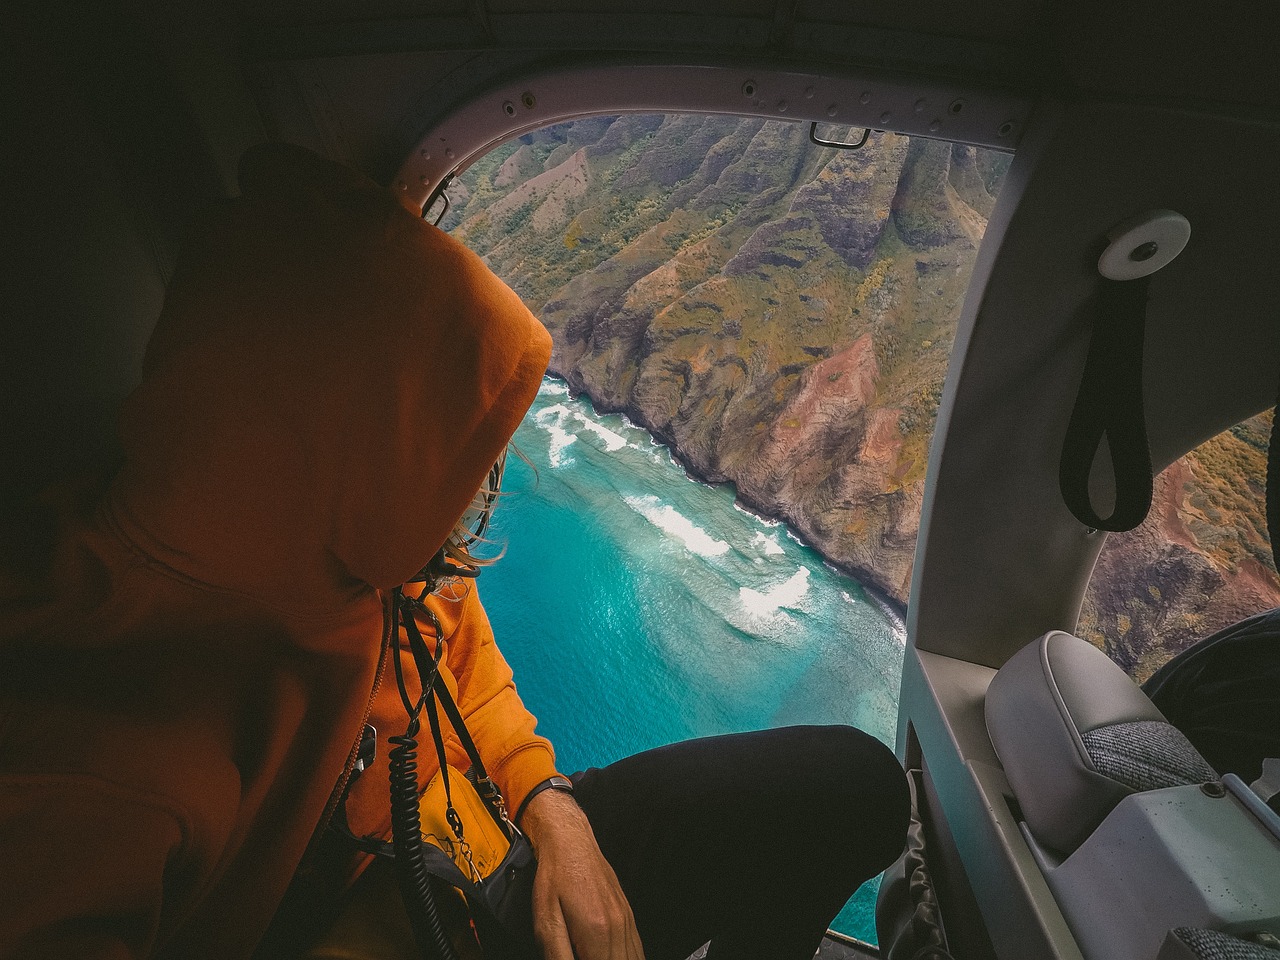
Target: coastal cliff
(781, 315)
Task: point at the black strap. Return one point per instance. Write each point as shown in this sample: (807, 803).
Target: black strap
(429, 671)
(1110, 404)
(434, 688)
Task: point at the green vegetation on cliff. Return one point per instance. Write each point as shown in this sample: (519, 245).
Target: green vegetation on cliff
(782, 315)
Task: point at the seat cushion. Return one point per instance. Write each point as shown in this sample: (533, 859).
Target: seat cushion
(1075, 736)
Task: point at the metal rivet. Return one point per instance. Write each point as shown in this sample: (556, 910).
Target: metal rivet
(422, 178)
(921, 104)
(1144, 251)
(403, 185)
(808, 93)
(508, 108)
(1006, 128)
(782, 106)
(449, 154)
(426, 155)
(529, 100)
(935, 126)
(1213, 788)
(832, 110)
(749, 88)
(956, 105)
(884, 117)
(866, 97)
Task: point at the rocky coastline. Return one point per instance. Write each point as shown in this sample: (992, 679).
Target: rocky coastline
(893, 607)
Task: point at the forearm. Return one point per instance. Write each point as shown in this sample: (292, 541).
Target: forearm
(580, 910)
(553, 819)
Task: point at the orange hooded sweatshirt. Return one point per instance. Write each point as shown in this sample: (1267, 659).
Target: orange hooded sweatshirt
(183, 683)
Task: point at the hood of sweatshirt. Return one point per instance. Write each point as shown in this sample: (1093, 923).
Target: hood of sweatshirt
(328, 384)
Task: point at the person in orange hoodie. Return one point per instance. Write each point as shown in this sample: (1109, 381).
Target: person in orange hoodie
(186, 671)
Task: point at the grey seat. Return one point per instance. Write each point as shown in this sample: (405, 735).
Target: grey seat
(1076, 736)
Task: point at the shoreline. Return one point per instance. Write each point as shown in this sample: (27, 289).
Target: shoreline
(893, 609)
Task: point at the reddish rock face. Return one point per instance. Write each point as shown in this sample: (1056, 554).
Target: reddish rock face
(1159, 588)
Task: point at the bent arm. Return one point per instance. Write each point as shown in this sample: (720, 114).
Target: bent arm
(497, 719)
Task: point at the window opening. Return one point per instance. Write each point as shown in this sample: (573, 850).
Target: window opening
(774, 319)
(1201, 560)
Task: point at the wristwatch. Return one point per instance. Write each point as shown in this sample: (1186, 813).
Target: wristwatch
(562, 784)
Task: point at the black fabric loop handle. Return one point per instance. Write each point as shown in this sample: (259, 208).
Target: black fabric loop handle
(1110, 405)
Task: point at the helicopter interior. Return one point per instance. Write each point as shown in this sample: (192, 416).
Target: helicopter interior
(123, 118)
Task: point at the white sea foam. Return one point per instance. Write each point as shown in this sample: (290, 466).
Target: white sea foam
(788, 594)
(673, 523)
(767, 544)
(897, 625)
(611, 440)
(552, 420)
(751, 513)
(555, 412)
(793, 537)
(899, 631)
(566, 417)
(560, 440)
(554, 388)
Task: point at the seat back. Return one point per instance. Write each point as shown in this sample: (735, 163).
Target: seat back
(1076, 736)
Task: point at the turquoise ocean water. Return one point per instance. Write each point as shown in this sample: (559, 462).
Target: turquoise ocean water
(638, 607)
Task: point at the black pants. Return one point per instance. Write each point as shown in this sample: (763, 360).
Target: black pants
(753, 841)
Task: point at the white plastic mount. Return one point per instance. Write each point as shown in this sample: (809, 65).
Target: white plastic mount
(1142, 244)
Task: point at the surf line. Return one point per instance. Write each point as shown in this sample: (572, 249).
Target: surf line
(893, 610)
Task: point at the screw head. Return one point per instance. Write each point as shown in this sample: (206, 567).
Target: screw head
(1213, 788)
(1144, 251)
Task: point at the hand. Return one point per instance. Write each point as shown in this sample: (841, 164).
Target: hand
(579, 909)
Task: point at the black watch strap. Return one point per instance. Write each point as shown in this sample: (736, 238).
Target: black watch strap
(563, 784)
